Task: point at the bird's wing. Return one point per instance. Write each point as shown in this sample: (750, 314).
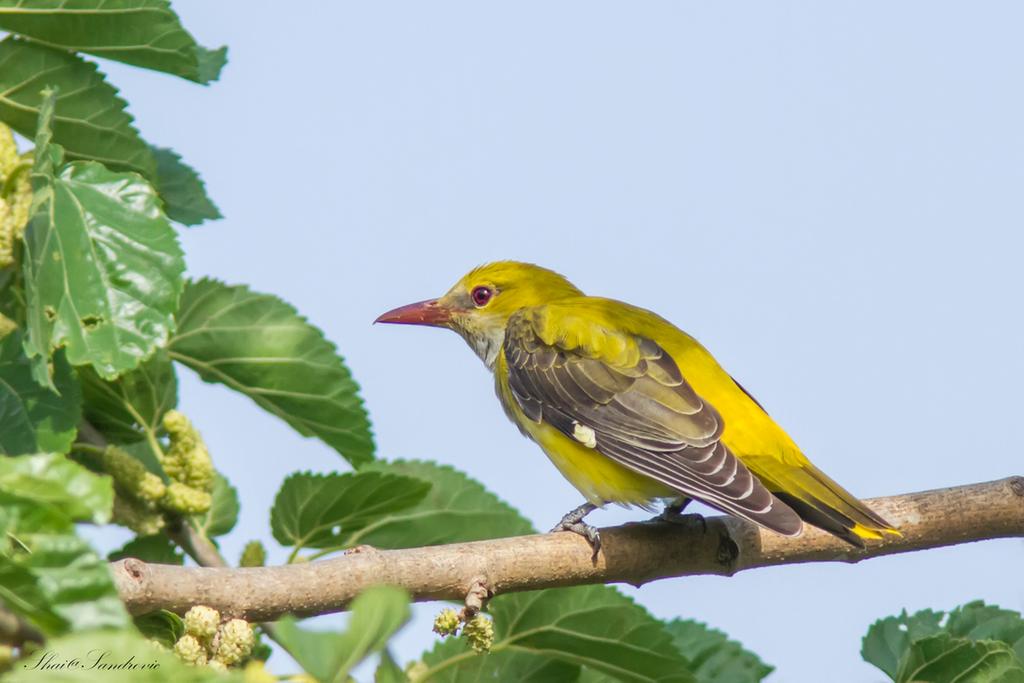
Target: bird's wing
(625, 397)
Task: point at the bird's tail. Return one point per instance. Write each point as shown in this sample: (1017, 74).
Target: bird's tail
(822, 502)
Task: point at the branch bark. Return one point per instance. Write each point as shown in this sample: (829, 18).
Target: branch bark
(195, 545)
(633, 553)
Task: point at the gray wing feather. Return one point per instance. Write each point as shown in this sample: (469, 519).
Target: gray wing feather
(646, 417)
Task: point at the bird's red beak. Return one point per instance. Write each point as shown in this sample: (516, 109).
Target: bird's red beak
(428, 312)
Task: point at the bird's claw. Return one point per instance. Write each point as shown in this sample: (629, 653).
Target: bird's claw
(587, 531)
(673, 514)
(670, 516)
(573, 521)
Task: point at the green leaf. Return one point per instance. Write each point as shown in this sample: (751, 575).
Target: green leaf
(91, 121)
(592, 626)
(181, 188)
(34, 418)
(591, 676)
(318, 510)
(451, 661)
(51, 479)
(121, 656)
(162, 626)
(144, 33)
(979, 621)
(388, 670)
(223, 513)
(136, 400)
(376, 614)
(260, 346)
(941, 658)
(975, 638)
(456, 509)
(595, 626)
(157, 549)
(75, 580)
(20, 515)
(102, 264)
(21, 593)
(713, 657)
(260, 650)
(888, 639)
(211, 62)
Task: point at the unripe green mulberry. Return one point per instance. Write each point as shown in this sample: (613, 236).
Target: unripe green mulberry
(6, 326)
(8, 150)
(18, 193)
(151, 488)
(235, 642)
(202, 622)
(15, 195)
(176, 423)
(132, 477)
(254, 555)
(187, 459)
(190, 650)
(134, 516)
(447, 622)
(479, 631)
(186, 499)
(417, 671)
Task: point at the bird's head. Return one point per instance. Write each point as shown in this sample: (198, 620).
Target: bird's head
(479, 305)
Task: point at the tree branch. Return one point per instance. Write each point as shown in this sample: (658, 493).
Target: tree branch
(633, 553)
(195, 544)
(178, 530)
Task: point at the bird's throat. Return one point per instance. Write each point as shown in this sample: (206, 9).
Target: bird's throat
(486, 344)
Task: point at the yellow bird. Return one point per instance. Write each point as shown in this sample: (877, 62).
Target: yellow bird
(631, 409)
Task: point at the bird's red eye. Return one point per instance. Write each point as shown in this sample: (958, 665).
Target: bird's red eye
(482, 295)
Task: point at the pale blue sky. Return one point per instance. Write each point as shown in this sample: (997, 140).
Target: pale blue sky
(828, 195)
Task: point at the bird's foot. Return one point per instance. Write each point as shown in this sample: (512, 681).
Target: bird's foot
(673, 514)
(587, 531)
(573, 521)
